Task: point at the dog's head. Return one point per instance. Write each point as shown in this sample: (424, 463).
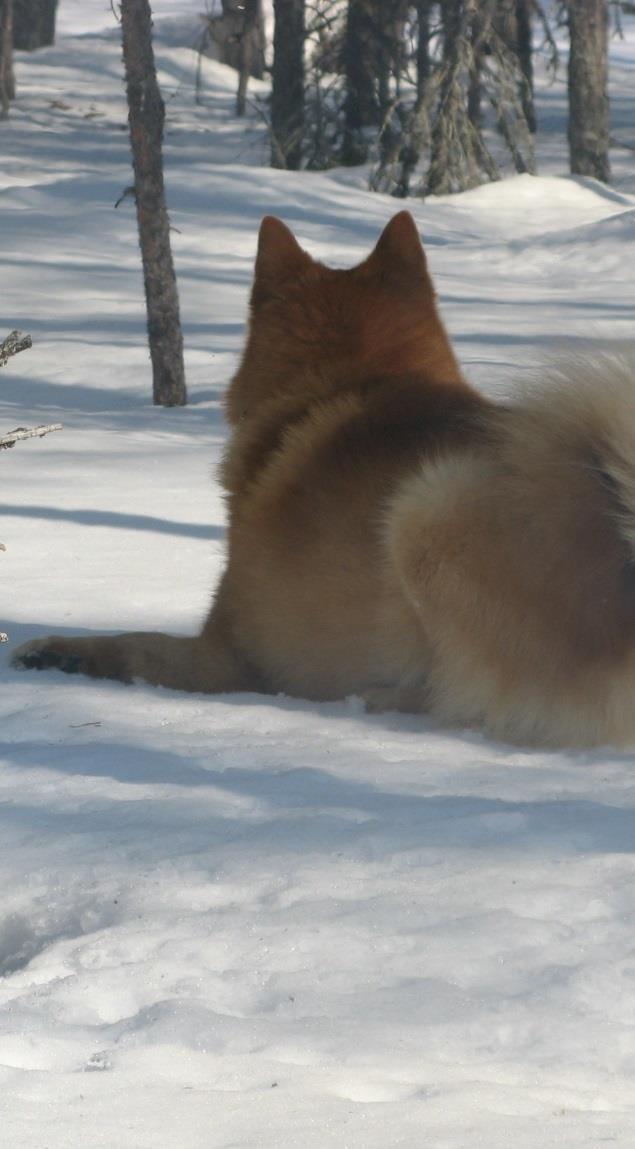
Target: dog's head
(316, 329)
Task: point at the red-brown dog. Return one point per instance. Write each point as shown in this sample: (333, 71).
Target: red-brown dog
(395, 535)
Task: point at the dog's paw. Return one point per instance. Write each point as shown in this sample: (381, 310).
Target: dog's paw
(48, 654)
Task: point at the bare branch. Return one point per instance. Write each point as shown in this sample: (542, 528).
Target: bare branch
(28, 433)
(14, 343)
(615, 143)
(553, 54)
(130, 191)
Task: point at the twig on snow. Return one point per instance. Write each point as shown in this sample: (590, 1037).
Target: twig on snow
(14, 342)
(28, 433)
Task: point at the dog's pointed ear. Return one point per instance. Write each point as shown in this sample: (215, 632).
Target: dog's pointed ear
(279, 253)
(398, 251)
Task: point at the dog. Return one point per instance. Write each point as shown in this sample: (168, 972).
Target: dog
(393, 534)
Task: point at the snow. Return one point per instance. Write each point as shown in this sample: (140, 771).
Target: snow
(250, 921)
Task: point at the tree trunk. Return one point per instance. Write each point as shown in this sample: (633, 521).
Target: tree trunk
(450, 13)
(588, 94)
(524, 48)
(146, 116)
(287, 90)
(424, 63)
(444, 174)
(240, 21)
(390, 23)
(7, 82)
(361, 109)
(393, 118)
(458, 154)
(475, 81)
(512, 20)
(33, 24)
(414, 122)
(251, 50)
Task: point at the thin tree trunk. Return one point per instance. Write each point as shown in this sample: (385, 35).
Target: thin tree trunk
(287, 88)
(418, 121)
(383, 41)
(588, 88)
(458, 154)
(524, 11)
(146, 116)
(391, 15)
(424, 63)
(415, 125)
(450, 12)
(445, 137)
(475, 84)
(361, 109)
(513, 21)
(238, 31)
(392, 117)
(250, 49)
(7, 81)
(33, 24)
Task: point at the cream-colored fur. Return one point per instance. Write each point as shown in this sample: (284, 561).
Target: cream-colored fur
(519, 558)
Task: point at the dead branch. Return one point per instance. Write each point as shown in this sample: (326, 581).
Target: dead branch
(28, 433)
(14, 343)
(615, 143)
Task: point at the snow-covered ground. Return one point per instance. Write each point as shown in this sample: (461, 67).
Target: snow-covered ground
(249, 921)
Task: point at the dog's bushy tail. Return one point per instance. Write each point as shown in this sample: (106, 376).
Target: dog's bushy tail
(520, 558)
(580, 418)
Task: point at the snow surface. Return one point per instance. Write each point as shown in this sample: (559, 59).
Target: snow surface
(250, 921)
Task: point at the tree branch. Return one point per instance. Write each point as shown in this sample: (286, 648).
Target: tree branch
(13, 343)
(27, 433)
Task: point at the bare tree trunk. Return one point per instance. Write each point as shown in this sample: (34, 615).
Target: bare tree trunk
(394, 119)
(240, 38)
(512, 21)
(447, 151)
(146, 116)
(251, 45)
(33, 24)
(390, 27)
(361, 109)
(424, 63)
(511, 51)
(458, 154)
(475, 82)
(588, 92)
(287, 90)
(7, 81)
(524, 12)
(415, 122)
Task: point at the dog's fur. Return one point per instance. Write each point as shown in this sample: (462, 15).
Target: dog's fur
(393, 534)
